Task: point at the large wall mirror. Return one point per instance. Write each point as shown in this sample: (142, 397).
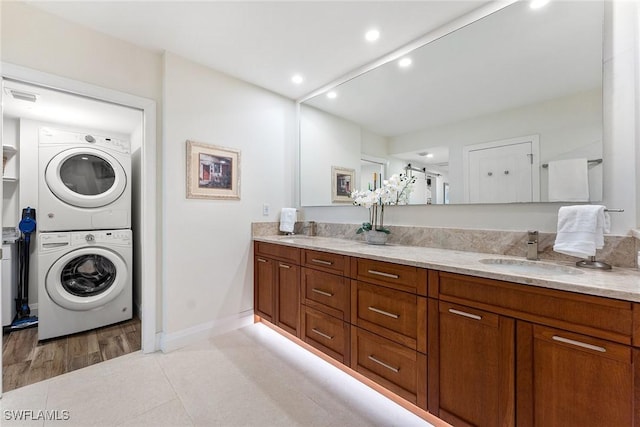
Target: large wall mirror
(507, 109)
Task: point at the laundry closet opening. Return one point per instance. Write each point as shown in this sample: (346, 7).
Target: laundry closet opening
(76, 162)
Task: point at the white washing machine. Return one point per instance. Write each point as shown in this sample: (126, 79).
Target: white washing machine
(84, 181)
(84, 280)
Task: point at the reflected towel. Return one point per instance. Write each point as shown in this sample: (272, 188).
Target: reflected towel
(581, 230)
(569, 181)
(287, 219)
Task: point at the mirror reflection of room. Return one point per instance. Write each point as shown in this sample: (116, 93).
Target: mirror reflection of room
(524, 126)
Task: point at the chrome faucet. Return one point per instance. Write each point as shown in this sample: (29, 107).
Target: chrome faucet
(310, 228)
(532, 245)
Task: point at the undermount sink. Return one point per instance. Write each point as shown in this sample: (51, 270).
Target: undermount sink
(532, 267)
(300, 238)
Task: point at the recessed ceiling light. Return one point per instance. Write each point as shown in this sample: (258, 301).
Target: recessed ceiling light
(429, 156)
(331, 95)
(297, 79)
(405, 62)
(537, 4)
(372, 35)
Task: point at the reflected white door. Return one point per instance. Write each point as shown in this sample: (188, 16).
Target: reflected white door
(501, 174)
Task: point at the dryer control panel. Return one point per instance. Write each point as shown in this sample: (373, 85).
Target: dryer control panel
(57, 240)
(50, 136)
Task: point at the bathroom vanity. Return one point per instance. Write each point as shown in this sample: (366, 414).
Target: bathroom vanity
(468, 338)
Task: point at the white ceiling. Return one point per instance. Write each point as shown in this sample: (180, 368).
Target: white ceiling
(70, 110)
(266, 42)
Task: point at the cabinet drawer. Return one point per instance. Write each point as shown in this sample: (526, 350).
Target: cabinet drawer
(332, 263)
(597, 316)
(396, 315)
(281, 252)
(326, 333)
(398, 368)
(402, 277)
(326, 292)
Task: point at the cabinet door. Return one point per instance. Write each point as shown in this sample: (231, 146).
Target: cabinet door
(566, 379)
(476, 367)
(264, 287)
(288, 297)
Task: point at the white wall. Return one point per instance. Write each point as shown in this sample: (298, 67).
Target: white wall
(620, 147)
(207, 262)
(36, 39)
(326, 140)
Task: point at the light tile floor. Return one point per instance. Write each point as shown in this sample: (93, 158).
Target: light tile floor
(249, 377)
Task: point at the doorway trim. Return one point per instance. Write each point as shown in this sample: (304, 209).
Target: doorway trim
(148, 167)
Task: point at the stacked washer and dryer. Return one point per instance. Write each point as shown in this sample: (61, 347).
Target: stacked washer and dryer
(84, 246)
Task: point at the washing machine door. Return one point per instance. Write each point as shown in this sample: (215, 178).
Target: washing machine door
(85, 177)
(86, 278)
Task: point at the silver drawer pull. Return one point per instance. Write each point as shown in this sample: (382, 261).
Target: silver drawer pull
(385, 313)
(322, 334)
(262, 260)
(462, 313)
(383, 274)
(321, 292)
(321, 261)
(579, 344)
(380, 362)
(284, 266)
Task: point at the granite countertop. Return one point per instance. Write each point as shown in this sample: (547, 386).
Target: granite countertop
(618, 283)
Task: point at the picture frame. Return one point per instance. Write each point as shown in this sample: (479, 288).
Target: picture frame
(342, 184)
(213, 172)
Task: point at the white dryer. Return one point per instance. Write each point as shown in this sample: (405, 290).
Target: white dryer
(84, 280)
(84, 181)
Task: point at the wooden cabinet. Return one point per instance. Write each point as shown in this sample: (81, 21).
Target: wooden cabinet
(288, 297)
(277, 285)
(401, 277)
(568, 379)
(476, 355)
(507, 354)
(264, 287)
(472, 351)
(389, 327)
(326, 292)
(396, 315)
(394, 366)
(326, 333)
(325, 303)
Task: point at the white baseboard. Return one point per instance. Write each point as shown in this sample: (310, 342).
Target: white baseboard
(176, 340)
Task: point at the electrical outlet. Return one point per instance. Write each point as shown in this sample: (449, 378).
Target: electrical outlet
(265, 210)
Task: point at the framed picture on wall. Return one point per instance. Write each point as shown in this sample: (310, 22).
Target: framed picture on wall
(213, 172)
(342, 184)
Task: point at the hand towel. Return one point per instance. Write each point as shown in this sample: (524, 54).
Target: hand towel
(287, 219)
(568, 181)
(581, 230)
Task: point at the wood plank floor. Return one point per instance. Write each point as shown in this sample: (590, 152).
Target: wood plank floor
(27, 361)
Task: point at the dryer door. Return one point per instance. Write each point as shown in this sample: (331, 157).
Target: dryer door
(86, 278)
(85, 177)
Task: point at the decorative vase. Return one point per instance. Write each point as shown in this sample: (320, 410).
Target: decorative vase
(374, 237)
